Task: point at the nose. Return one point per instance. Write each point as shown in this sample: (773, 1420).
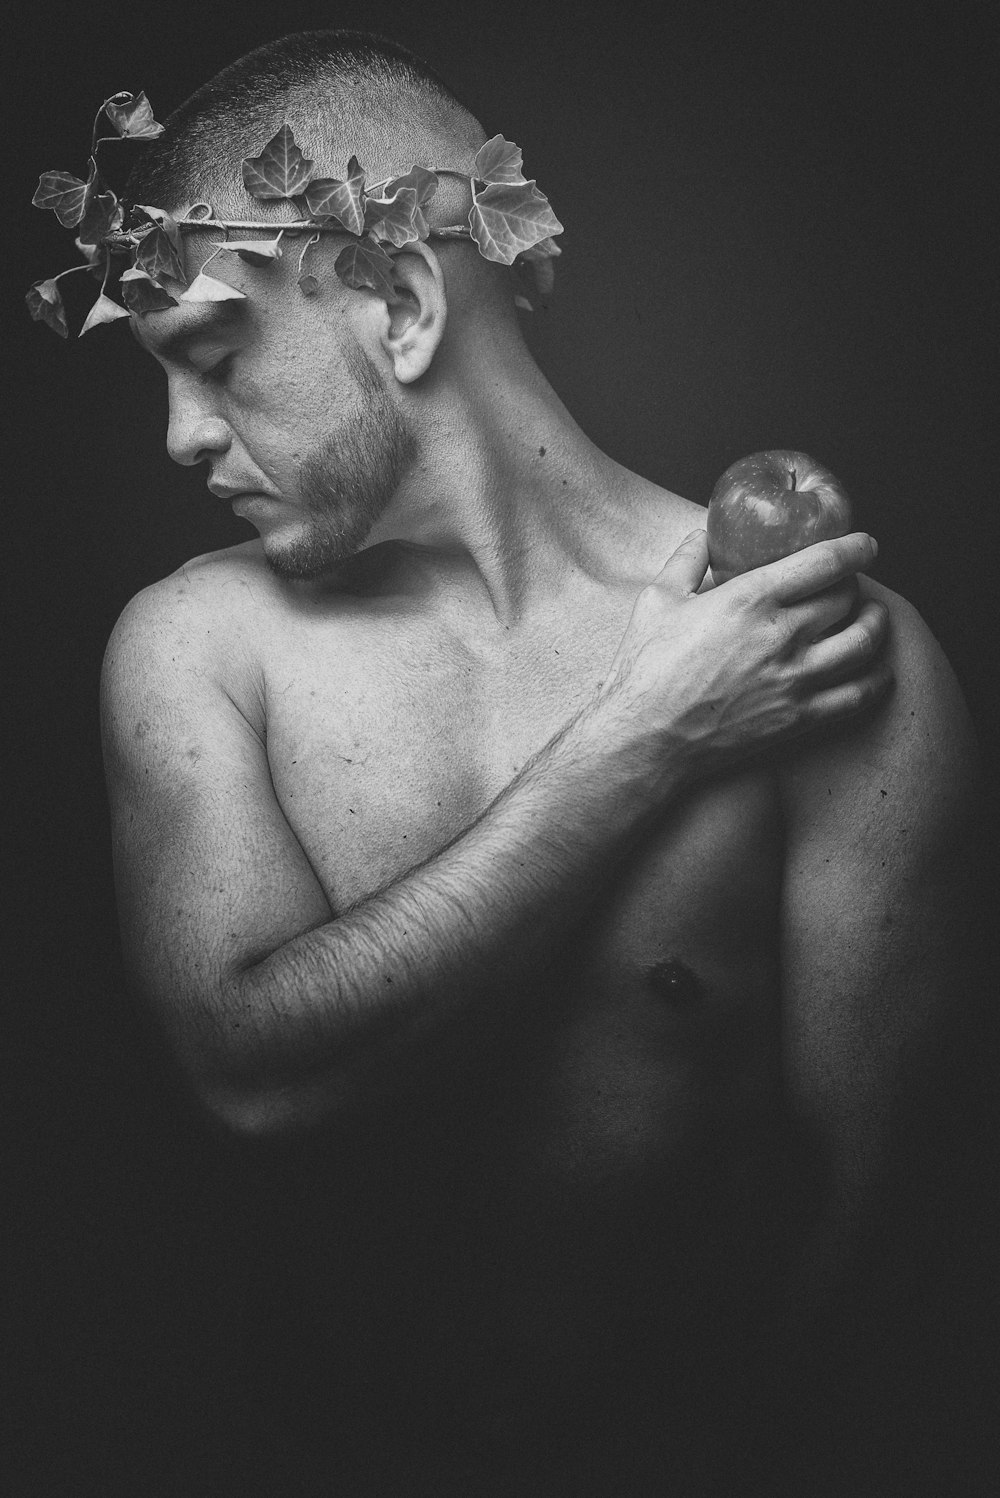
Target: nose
(194, 434)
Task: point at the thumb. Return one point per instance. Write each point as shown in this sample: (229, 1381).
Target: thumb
(684, 571)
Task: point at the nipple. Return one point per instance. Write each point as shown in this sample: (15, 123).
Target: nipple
(675, 981)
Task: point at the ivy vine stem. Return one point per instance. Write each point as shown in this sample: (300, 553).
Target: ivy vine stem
(111, 99)
(298, 226)
(509, 216)
(74, 268)
(313, 239)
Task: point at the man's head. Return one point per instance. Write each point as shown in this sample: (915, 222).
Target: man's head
(309, 405)
(343, 93)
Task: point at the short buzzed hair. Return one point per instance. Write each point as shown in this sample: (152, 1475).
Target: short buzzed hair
(343, 93)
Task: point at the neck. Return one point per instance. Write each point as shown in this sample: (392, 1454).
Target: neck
(507, 493)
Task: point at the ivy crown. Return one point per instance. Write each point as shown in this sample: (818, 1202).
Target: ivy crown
(510, 221)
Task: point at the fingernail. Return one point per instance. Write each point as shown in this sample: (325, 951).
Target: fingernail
(874, 545)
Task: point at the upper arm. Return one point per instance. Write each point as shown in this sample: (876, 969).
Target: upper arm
(209, 875)
(875, 900)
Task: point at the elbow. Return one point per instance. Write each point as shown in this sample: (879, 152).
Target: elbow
(271, 1114)
(230, 1091)
(250, 1093)
(253, 1089)
(247, 1117)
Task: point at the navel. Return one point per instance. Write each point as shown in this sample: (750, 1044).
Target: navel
(674, 981)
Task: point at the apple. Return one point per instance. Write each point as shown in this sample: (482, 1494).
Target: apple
(769, 505)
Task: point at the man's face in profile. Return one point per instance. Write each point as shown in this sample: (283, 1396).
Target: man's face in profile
(277, 394)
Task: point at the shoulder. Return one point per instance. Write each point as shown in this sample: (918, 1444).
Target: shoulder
(194, 613)
(909, 768)
(189, 636)
(648, 521)
(207, 590)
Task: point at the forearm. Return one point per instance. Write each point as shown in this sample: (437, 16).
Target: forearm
(428, 970)
(430, 967)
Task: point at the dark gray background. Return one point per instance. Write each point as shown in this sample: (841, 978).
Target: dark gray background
(776, 227)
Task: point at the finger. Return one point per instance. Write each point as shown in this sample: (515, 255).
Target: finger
(813, 616)
(685, 569)
(847, 699)
(851, 650)
(816, 567)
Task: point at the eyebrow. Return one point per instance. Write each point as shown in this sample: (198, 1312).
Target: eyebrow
(216, 317)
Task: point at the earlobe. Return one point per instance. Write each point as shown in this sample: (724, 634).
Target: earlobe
(415, 322)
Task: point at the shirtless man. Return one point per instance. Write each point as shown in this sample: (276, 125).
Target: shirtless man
(461, 826)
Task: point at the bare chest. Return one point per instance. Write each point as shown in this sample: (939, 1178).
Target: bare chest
(381, 752)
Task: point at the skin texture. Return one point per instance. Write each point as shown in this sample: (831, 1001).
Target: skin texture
(521, 863)
(347, 484)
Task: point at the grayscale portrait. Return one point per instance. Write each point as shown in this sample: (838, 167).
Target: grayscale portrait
(503, 718)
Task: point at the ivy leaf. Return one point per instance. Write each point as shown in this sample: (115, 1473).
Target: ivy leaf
(141, 293)
(280, 171)
(397, 219)
(103, 310)
(96, 257)
(328, 197)
(308, 285)
(163, 221)
(545, 249)
(366, 267)
(207, 289)
(65, 195)
(45, 304)
(499, 160)
(255, 251)
(158, 258)
(540, 257)
(397, 214)
(133, 118)
(424, 183)
(102, 215)
(507, 219)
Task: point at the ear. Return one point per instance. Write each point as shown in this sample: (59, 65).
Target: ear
(413, 324)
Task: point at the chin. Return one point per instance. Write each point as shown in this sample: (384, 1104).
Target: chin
(311, 552)
(302, 565)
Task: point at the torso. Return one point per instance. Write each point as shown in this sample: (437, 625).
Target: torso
(383, 744)
(624, 1152)
(387, 733)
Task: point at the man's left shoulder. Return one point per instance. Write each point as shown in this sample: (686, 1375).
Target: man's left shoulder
(909, 765)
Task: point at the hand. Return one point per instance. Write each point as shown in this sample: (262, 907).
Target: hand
(727, 673)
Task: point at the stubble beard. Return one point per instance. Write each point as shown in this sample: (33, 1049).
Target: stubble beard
(348, 483)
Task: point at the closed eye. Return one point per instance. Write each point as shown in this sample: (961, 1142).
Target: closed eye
(214, 371)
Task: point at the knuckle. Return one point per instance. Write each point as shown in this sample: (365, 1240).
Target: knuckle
(855, 695)
(865, 638)
(784, 627)
(829, 566)
(809, 711)
(740, 595)
(648, 603)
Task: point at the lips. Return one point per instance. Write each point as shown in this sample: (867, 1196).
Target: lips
(235, 491)
(249, 498)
